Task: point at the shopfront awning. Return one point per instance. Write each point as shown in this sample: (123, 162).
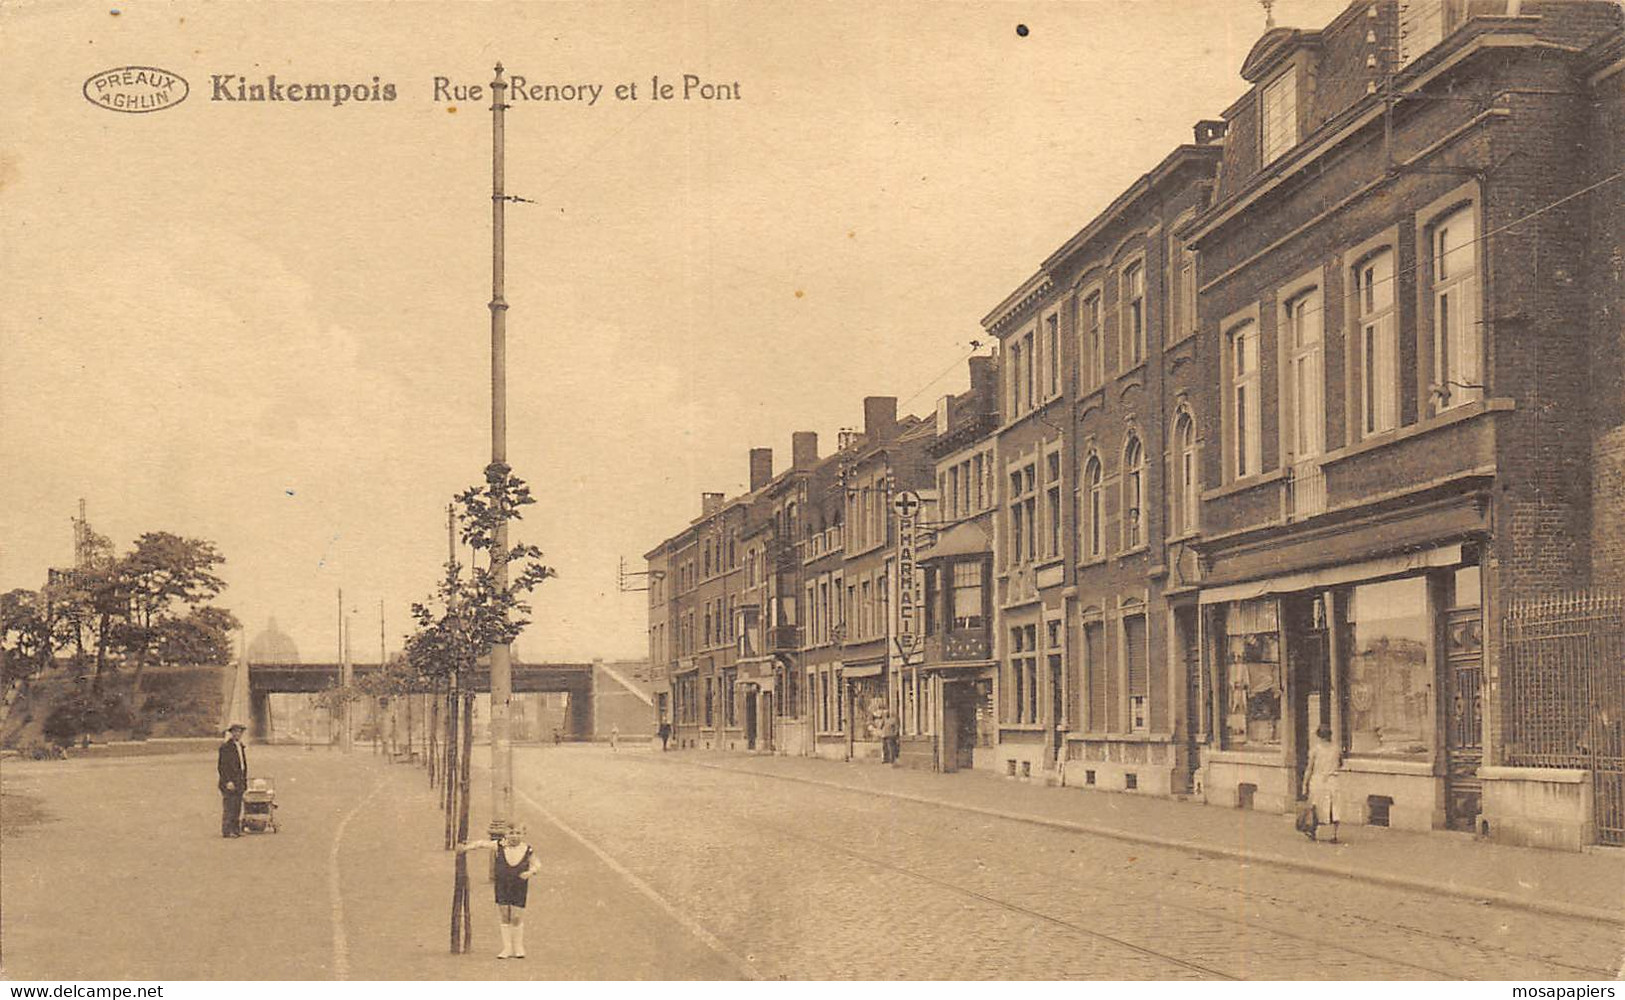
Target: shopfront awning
(964, 539)
(871, 669)
(1332, 576)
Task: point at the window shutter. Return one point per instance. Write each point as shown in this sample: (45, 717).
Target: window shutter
(1135, 652)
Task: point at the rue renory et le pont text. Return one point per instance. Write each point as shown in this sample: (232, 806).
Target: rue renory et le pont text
(232, 88)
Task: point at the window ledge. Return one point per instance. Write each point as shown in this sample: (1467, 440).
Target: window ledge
(1420, 766)
(1454, 415)
(1024, 727)
(1132, 551)
(1188, 536)
(1262, 757)
(1138, 736)
(1095, 393)
(1094, 561)
(1180, 339)
(1138, 369)
(1048, 562)
(1243, 485)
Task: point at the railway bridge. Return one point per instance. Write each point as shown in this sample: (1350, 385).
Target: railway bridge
(575, 679)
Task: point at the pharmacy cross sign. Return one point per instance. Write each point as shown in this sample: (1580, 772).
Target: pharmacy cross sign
(910, 603)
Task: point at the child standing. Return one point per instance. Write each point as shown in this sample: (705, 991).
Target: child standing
(516, 863)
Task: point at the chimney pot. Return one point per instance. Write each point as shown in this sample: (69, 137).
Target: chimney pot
(761, 468)
(804, 449)
(879, 417)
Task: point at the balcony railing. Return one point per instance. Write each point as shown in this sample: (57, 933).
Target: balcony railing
(1303, 494)
(959, 645)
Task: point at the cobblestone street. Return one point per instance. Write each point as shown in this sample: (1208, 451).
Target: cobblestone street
(812, 882)
(692, 866)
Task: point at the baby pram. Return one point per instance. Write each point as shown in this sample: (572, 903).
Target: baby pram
(259, 806)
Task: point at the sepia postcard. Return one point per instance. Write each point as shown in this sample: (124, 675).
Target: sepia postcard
(722, 492)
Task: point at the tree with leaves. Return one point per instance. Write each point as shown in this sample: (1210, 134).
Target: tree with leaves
(162, 576)
(458, 627)
(25, 633)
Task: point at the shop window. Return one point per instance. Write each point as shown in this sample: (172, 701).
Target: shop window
(1390, 681)
(1251, 657)
(982, 697)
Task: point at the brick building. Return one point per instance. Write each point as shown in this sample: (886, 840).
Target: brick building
(1293, 435)
(947, 704)
(1391, 285)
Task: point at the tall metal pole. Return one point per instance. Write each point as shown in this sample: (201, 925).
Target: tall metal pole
(497, 472)
(345, 676)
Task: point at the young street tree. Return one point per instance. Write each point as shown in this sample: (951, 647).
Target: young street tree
(459, 627)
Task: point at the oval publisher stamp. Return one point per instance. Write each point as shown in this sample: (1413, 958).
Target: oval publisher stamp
(136, 90)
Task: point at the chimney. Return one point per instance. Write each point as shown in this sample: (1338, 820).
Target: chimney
(879, 417)
(984, 383)
(804, 449)
(1210, 130)
(761, 467)
(710, 503)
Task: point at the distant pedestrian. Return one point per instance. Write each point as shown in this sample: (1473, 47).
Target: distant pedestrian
(516, 864)
(664, 732)
(614, 737)
(1319, 778)
(890, 740)
(233, 770)
(557, 738)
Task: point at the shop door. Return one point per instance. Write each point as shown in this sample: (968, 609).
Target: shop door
(750, 722)
(1057, 688)
(1190, 651)
(1308, 676)
(959, 726)
(1464, 708)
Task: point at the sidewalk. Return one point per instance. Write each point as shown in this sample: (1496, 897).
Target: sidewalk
(356, 884)
(1589, 885)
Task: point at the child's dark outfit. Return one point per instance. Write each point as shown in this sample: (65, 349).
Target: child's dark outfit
(511, 889)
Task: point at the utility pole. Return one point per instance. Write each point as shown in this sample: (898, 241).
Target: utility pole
(344, 676)
(496, 473)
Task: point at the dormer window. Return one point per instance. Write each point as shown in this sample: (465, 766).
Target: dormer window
(1280, 115)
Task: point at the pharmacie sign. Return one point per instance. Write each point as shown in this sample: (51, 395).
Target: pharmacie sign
(910, 596)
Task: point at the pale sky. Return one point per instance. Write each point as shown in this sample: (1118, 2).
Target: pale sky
(265, 324)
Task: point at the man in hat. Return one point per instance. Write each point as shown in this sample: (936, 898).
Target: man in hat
(233, 779)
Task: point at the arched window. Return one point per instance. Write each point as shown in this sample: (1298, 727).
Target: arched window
(1185, 489)
(1096, 543)
(1133, 493)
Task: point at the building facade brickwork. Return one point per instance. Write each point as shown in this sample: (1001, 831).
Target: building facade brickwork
(1268, 447)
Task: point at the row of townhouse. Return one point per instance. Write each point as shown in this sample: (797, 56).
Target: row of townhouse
(1304, 430)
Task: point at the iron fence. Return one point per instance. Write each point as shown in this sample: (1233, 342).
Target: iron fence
(1563, 678)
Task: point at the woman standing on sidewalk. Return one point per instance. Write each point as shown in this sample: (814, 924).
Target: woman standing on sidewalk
(1318, 779)
(516, 862)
